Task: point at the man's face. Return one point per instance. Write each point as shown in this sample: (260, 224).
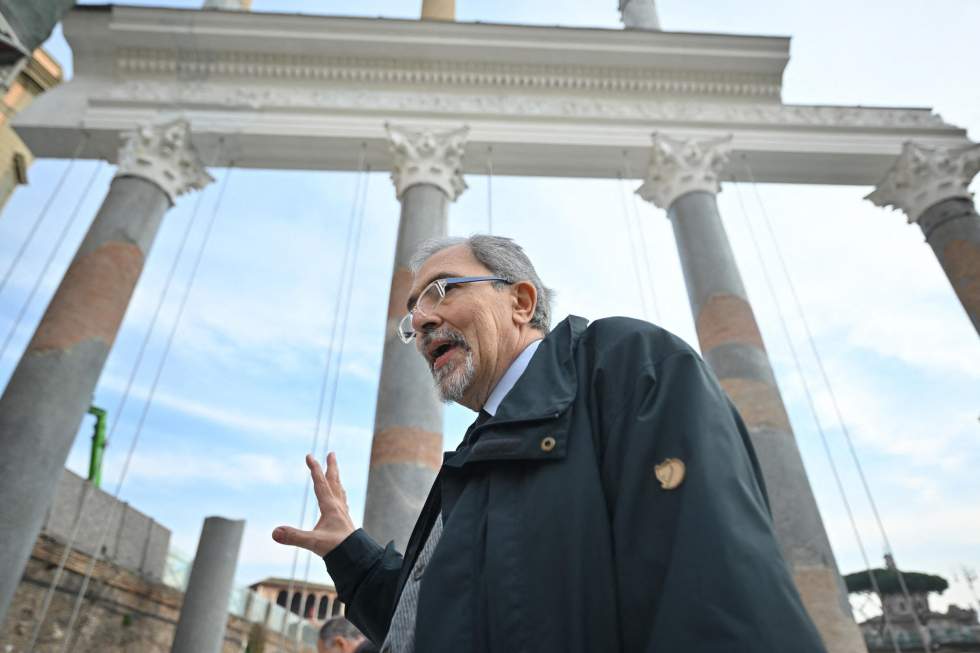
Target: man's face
(338, 645)
(466, 341)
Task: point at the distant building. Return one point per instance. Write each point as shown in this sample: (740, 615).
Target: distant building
(31, 77)
(955, 630)
(314, 601)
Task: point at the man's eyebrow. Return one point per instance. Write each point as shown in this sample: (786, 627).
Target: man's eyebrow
(439, 275)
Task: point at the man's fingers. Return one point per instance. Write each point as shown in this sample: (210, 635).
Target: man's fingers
(320, 486)
(333, 474)
(294, 537)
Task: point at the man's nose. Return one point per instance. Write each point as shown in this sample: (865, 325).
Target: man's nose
(422, 323)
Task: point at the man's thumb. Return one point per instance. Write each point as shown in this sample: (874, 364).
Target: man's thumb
(293, 536)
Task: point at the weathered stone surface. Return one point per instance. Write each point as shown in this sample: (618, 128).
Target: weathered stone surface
(122, 613)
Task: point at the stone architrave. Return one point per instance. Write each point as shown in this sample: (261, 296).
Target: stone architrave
(684, 178)
(931, 186)
(52, 385)
(407, 448)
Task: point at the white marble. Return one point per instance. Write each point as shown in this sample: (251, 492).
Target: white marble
(679, 166)
(923, 176)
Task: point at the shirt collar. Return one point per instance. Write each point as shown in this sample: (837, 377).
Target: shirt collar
(509, 378)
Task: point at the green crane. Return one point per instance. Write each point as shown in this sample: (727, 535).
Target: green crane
(98, 446)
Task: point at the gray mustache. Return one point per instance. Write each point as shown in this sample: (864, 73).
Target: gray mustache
(449, 335)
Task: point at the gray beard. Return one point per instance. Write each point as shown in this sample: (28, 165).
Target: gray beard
(453, 380)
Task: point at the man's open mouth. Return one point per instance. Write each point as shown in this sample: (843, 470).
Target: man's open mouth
(440, 350)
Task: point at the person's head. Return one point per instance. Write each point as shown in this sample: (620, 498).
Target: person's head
(471, 333)
(338, 636)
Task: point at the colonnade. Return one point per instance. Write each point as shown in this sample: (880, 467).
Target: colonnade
(50, 389)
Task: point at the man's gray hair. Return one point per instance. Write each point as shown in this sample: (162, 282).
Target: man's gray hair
(339, 627)
(504, 258)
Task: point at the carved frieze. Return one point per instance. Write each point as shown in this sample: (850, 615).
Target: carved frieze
(190, 94)
(163, 154)
(427, 157)
(679, 166)
(923, 176)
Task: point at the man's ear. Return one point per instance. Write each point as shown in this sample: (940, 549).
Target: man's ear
(524, 300)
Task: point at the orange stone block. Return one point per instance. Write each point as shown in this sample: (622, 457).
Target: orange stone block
(724, 319)
(405, 444)
(92, 298)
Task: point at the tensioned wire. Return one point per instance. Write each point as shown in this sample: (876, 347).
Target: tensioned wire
(44, 211)
(813, 408)
(76, 523)
(640, 289)
(340, 348)
(490, 189)
(69, 636)
(641, 242)
(833, 397)
(69, 223)
(359, 182)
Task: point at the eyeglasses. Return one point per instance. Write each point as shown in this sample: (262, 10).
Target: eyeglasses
(431, 297)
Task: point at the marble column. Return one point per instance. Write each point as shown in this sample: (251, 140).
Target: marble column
(639, 14)
(439, 10)
(929, 184)
(204, 612)
(684, 180)
(407, 448)
(51, 387)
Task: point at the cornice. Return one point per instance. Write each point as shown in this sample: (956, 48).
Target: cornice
(279, 68)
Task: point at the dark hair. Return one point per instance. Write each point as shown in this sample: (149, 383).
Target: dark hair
(339, 627)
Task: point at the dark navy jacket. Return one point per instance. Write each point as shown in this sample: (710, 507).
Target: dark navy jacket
(558, 535)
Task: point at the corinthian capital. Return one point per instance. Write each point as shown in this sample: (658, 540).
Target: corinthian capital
(679, 166)
(923, 176)
(163, 154)
(428, 157)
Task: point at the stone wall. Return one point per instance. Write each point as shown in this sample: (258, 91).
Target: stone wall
(122, 613)
(134, 541)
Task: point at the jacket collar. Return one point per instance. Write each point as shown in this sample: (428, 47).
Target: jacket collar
(532, 409)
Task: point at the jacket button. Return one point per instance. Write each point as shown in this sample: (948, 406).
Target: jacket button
(418, 571)
(547, 444)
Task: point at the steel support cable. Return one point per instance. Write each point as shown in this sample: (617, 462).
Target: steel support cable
(358, 183)
(642, 242)
(340, 347)
(51, 256)
(69, 630)
(833, 399)
(813, 408)
(633, 256)
(490, 189)
(44, 211)
(76, 523)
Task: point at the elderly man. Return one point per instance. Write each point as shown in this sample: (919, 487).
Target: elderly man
(607, 498)
(338, 635)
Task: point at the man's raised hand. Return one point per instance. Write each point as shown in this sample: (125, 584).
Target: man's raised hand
(334, 524)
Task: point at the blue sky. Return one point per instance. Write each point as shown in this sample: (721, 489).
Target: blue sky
(235, 408)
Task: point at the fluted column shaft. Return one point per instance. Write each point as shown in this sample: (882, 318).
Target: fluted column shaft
(51, 387)
(930, 185)
(407, 448)
(684, 181)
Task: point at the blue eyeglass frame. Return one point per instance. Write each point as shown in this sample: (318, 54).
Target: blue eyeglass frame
(407, 336)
